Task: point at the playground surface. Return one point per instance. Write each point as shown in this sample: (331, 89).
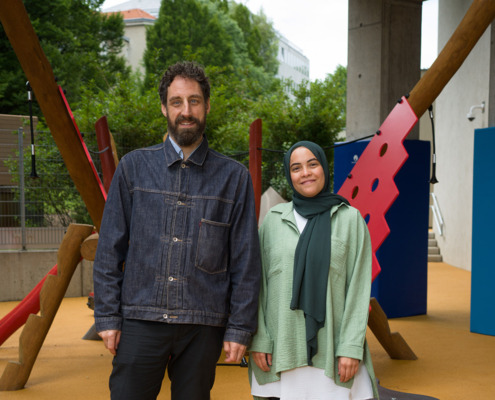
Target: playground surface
(452, 364)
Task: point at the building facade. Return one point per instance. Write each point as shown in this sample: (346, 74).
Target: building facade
(140, 14)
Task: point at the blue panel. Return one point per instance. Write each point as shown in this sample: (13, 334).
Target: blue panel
(401, 286)
(483, 266)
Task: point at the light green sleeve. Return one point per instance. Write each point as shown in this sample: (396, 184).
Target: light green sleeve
(262, 342)
(358, 287)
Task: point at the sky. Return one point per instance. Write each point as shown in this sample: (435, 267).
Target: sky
(319, 29)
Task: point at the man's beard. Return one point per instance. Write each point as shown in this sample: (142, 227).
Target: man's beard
(186, 136)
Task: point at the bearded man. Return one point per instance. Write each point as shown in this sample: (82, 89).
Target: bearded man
(177, 267)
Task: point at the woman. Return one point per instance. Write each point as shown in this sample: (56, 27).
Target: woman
(315, 292)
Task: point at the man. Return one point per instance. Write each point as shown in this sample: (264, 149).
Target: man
(177, 267)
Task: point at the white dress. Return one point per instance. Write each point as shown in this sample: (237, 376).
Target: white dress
(311, 383)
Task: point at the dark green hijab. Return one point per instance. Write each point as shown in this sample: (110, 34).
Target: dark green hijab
(312, 257)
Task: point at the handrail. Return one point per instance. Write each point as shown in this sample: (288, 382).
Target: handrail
(437, 214)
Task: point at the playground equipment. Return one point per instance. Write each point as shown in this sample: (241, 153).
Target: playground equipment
(76, 157)
(34, 333)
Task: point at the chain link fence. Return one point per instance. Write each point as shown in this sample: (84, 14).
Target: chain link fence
(38, 199)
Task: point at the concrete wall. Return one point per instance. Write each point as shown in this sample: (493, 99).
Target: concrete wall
(20, 272)
(455, 137)
(384, 52)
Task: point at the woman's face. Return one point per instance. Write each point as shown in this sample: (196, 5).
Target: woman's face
(306, 172)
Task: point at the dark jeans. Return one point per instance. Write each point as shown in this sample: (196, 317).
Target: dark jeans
(146, 349)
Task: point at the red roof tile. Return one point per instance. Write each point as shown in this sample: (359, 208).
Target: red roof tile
(135, 13)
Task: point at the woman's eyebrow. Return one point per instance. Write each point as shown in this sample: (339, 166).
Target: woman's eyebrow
(298, 163)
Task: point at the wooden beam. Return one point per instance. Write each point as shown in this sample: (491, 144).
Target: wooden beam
(38, 70)
(393, 343)
(477, 19)
(16, 374)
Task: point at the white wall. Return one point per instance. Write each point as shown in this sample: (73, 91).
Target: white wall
(135, 33)
(455, 137)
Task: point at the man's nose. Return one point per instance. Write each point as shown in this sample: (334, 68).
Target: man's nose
(186, 109)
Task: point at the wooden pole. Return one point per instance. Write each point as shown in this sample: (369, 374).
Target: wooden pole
(16, 374)
(477, 19)
(108, 151)
(38, 70)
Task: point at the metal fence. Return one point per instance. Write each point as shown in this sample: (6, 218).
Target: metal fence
(37, 200)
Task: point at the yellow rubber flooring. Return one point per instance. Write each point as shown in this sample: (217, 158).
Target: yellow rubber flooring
(453, 363)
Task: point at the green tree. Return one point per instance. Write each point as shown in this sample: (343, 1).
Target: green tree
(52, 198)
(81, 44)
(316, 113)
(133, 113)
(214, 33)
(260, 37)
(186, 29)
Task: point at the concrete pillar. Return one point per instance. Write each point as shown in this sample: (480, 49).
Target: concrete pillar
(384, 54)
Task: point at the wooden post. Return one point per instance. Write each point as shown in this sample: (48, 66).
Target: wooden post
(255, 135)
(393, 343)
(38, 70)
(477, 19)
(16, 374)
(108, 151)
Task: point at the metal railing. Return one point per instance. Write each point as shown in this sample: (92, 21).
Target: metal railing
(30, 207)
(437, 214)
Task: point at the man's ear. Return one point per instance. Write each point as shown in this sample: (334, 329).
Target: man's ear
(164, 110)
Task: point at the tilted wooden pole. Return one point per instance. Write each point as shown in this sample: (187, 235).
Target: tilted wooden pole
(477, 19)
(38, 70)
(16, 374)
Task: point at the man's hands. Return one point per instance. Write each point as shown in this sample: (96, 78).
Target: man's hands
(233, 352)
(347, 368)
(111, 339)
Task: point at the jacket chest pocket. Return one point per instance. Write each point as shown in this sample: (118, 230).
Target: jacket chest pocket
(213, 247)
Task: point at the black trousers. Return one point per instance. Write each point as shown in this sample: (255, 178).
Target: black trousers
(146, 349)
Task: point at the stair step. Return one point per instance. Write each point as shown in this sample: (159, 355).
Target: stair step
(434, 258)
(433, 250)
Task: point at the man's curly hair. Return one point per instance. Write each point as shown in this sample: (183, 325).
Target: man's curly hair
(184, 69)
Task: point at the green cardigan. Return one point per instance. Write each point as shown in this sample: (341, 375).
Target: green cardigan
(281, 331)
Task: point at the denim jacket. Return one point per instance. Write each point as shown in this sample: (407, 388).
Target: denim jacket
(178, 243)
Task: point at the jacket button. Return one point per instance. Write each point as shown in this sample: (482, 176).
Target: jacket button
(165, 316)
(170, 278)
(183, 165)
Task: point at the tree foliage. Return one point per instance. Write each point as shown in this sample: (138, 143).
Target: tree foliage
(260, 37)
(238, 50)
(316, 113)
(81, 44)
(213, 33)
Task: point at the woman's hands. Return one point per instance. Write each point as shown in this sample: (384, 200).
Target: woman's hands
(347, 368)
(262, 360)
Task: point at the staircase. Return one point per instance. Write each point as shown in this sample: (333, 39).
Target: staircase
(433, 250)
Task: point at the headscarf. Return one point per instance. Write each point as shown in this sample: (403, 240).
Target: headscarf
(312, 257)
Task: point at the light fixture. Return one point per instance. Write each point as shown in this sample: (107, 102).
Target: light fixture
(470, 115)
